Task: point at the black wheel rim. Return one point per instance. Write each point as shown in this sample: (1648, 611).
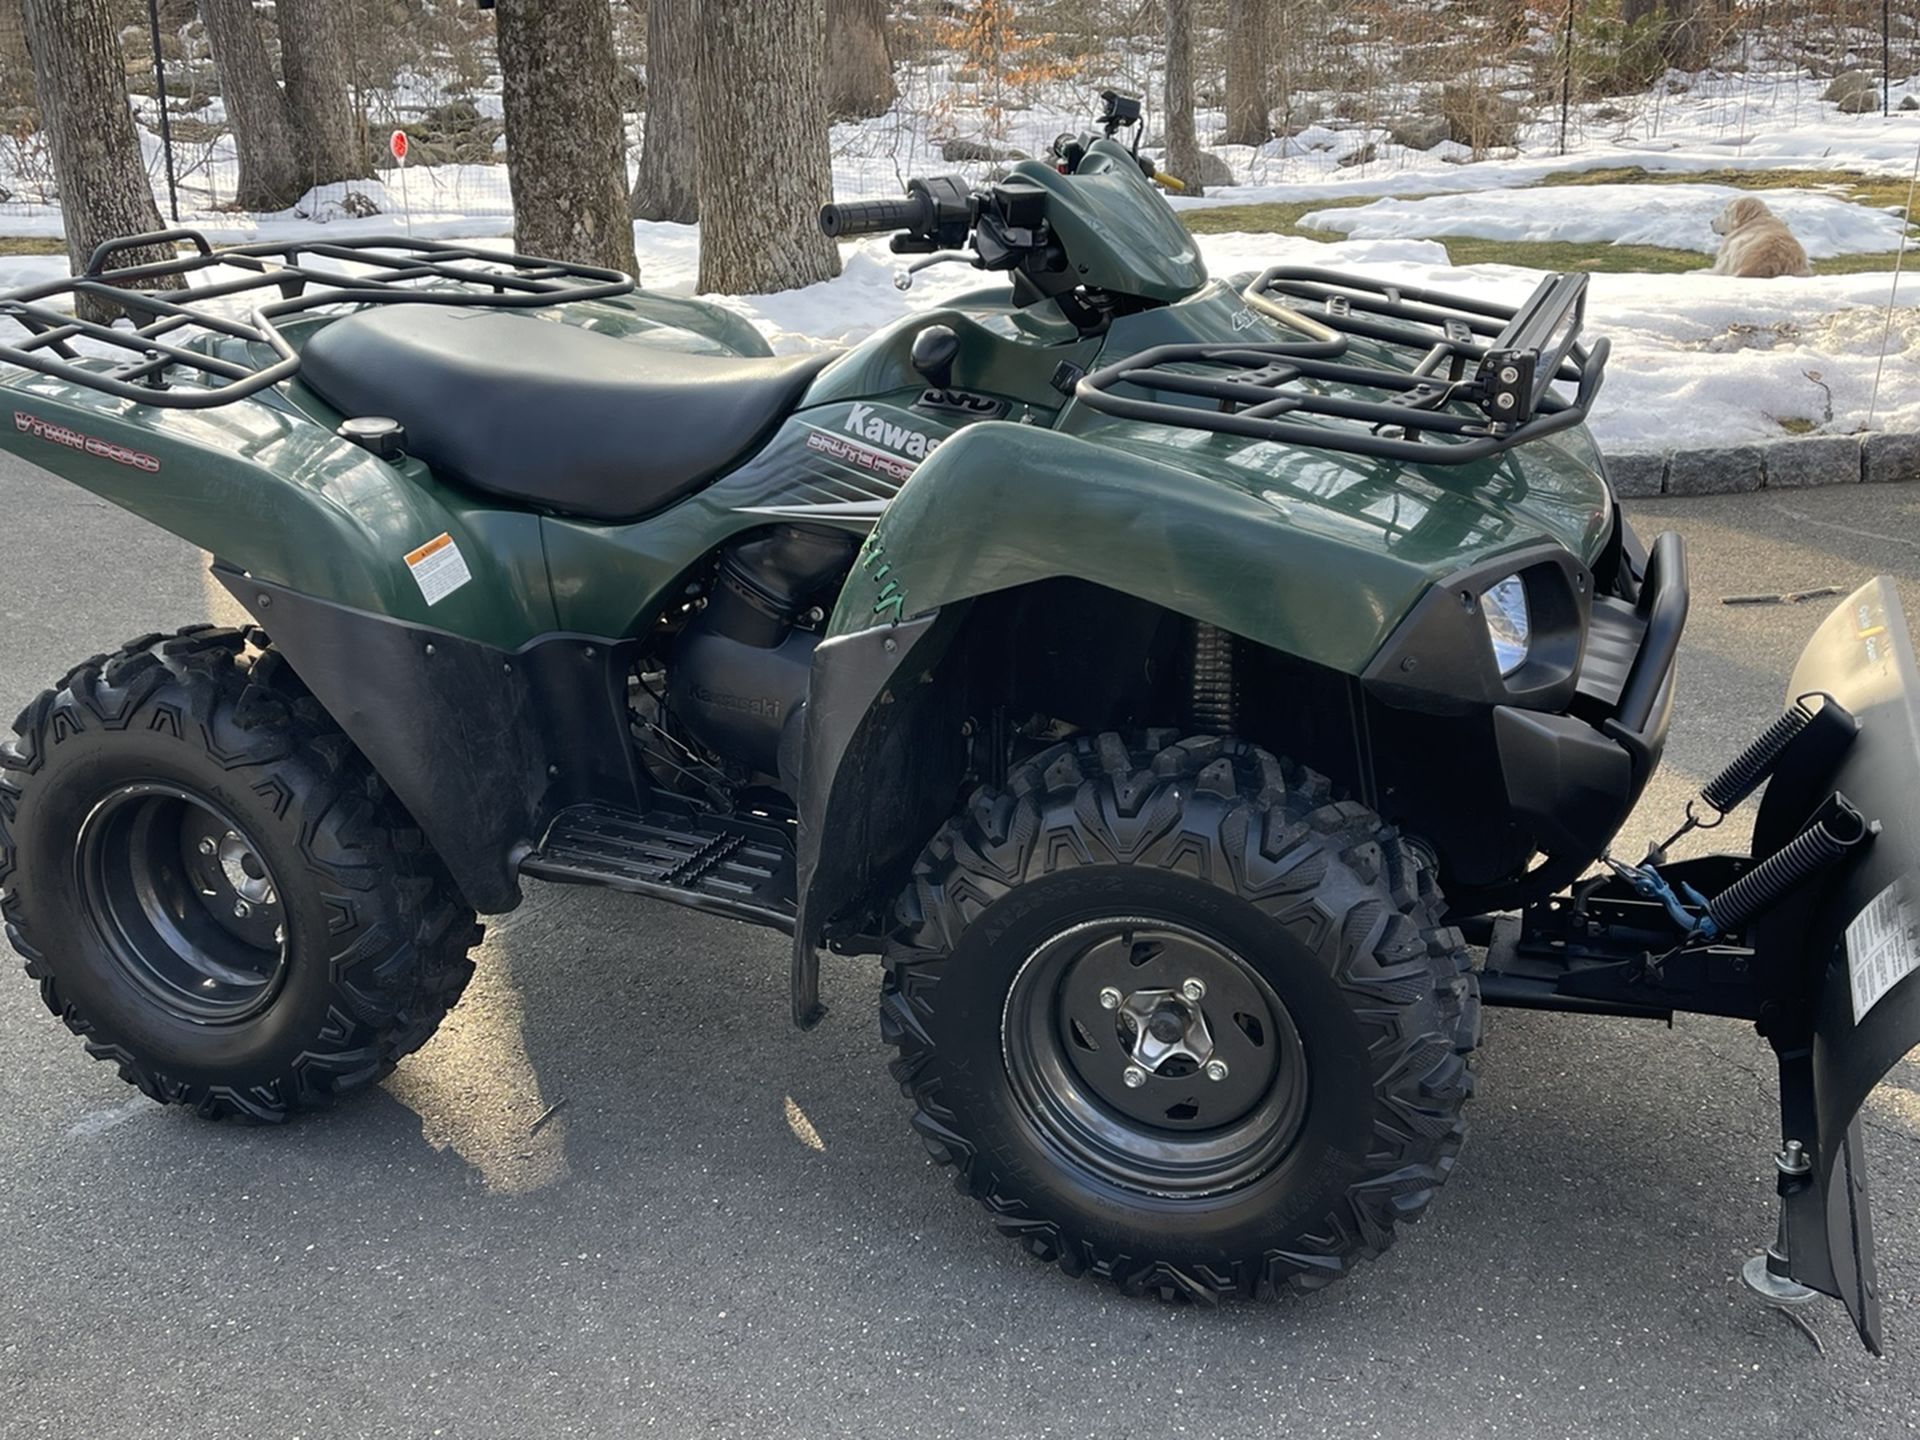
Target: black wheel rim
(1219, 1091)
(183, 902)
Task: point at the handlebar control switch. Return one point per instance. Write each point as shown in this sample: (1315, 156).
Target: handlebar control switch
(934, 351)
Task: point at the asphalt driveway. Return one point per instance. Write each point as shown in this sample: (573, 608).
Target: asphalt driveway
(726, 1229)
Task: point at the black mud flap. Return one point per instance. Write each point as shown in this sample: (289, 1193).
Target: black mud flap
(1852, 938)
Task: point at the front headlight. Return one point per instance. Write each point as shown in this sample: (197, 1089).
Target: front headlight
(1509, 626)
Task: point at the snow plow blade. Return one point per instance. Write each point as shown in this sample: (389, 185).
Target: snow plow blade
(1852, 938)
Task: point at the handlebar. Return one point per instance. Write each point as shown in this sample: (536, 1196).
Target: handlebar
(875, 217)
(934, 214)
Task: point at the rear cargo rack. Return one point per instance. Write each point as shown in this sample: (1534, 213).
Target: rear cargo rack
(306, 274)
(1480, 378)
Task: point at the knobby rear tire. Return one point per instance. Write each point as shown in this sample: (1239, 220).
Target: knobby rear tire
(376, 935)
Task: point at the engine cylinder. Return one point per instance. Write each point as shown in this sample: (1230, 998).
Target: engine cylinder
(737, 676)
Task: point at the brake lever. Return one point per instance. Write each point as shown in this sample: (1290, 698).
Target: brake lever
(903, 278)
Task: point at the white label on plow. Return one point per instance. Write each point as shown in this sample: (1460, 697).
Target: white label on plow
(1882, 949)
(438, 568)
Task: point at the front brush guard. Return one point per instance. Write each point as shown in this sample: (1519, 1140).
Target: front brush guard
(1825, 965)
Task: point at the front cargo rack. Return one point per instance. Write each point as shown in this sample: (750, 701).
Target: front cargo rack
(306, 274)
(1480, 378)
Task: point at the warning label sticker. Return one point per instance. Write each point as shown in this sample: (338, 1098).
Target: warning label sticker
(1882, 948)
(438, 568)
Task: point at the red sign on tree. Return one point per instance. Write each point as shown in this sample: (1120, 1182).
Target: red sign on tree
(397, 143)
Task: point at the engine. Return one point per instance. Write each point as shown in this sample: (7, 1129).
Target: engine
(737, 674)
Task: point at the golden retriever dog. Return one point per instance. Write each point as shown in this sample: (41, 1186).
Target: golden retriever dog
(1757, 244)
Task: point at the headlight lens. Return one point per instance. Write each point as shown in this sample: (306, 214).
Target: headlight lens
(1509, 626)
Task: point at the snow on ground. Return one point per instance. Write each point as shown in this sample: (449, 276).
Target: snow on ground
(1697, 359)
(1709, 360)
(1677, 216)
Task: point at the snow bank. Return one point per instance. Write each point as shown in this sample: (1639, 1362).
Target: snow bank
(1677, 216)
(1697, 359)
(1709, 360)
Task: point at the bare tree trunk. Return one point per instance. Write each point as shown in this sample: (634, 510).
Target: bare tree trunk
(315, 57)
(859, 63)
(1183, 147)
(1249, 102)
(668, 185)
(762, 184)
(79, 79)
(271, 176)
(566, 141)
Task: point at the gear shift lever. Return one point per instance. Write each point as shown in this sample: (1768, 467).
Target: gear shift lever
(934, 351)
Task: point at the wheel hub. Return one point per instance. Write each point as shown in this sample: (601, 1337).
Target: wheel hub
(183, 902)
(1167, 1030)
(1154, 1054)
(244, 872)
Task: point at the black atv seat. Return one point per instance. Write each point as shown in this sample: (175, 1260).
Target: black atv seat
(548, 413)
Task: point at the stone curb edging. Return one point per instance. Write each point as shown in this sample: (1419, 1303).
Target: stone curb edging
(1774, 465)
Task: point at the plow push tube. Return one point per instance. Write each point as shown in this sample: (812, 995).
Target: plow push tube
(1852, 941)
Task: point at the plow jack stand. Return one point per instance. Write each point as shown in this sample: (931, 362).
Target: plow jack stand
(1767, 1274)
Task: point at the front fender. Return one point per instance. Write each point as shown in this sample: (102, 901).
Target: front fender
(1320, 566)
(877, 761)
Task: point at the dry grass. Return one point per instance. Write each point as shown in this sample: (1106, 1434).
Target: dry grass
(1884, 192)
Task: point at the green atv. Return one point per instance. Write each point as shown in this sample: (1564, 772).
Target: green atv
(1170, 677)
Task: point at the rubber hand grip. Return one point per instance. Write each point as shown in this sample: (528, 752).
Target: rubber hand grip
(871, 217)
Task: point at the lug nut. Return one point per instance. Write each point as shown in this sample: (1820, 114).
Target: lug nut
(241, 910)
(1193, 989)
(1109, 999)
(207, 847)
(1135, 1077)
(1216, 1069)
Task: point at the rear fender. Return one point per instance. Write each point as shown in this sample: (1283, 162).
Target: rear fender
(445, 697)
(276, 495)
(1853, 941)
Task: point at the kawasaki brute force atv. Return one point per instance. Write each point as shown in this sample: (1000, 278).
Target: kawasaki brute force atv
(1171, 677)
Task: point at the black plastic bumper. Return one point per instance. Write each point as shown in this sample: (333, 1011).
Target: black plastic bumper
(1547, 758)
(1574, 784)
